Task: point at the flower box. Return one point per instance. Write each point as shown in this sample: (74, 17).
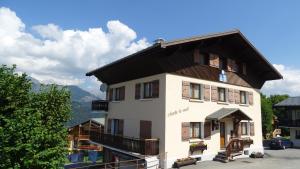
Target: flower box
(198, 147)
(184, 161)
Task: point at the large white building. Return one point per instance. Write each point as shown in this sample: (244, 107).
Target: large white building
(191, 97)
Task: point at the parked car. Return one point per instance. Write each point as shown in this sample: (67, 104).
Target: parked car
(280, 143)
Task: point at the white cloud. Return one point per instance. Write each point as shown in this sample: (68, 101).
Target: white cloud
(63, 56)
(289, 85)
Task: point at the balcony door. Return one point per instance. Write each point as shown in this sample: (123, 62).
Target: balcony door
(145, 129)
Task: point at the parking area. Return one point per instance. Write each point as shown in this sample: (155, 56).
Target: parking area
(274, 159)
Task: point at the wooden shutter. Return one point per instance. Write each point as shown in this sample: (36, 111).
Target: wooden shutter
(185, 131)
(137, 91)
(214, 60)
(185, 90)
(231, 95)
(122, 93)
(214, 93)
(109, 126)
(252, 129)
(121, 127)
(155, 85)
(239, 130)
(250, 98)
(206, 92)
(145, 129)
(197, 57)
(237, 96)
(207, 129)
(111, 94)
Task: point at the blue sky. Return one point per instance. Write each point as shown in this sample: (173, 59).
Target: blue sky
(272, 25)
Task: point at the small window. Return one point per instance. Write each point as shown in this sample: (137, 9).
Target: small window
(204, 58)
(195, 91)
(151, 89)
(147, 90)
(221, 94)
(297, 134)
(195, 130)
(244, 127)
(222, 63)
(243, 98)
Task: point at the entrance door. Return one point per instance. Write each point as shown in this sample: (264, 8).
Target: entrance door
(222, 134)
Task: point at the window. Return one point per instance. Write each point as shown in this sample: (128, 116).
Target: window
(149, 90)
(195, 130)
(221, 94)
(297, 134)
(117, 94)
(223, 63)
(204, 59)
(243, 98)
(195, 91)
(244, 127)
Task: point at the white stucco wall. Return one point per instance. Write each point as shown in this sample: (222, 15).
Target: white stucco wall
(132, 111)
(169, 110)
(179, 110)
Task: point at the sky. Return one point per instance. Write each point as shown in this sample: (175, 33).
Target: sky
(58, 41)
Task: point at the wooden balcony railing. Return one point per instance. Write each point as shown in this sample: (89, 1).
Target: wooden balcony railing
(237, 145)
(100, 105)
(289, 123)
(141, 146)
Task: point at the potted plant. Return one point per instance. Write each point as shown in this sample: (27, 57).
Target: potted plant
(184, 161)
(201, 146)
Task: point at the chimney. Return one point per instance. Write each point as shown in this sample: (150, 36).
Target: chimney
(159, 40)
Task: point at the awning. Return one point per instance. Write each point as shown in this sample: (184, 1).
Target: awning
(228, 112)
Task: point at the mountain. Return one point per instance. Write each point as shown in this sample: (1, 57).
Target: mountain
(81, 103)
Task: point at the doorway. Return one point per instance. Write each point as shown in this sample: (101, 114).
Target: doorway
(222, 135)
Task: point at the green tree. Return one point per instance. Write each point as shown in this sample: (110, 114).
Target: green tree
(32, 132)
(267, 115)
(276, 99)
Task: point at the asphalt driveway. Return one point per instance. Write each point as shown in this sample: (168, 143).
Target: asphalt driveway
(274, 159)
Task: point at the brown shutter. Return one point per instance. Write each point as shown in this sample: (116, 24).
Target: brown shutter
(239, 130)
(111, 94)
(108, 126)
(252, 129)
(137, 91)
(122, 93)
(197, 57)
(237, 96)
(214, 93)
(185, 90)
(206, 92)
(121, 127)
(250, 94)
(207, 129)
(230, 95)
(145, 129)
(155, 85)
(214, 60)
(185, 131)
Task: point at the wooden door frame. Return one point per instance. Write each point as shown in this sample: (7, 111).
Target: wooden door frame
(222, 133)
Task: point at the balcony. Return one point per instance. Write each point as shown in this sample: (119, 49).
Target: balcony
(100, 105)
(289, 123)
(136, 145)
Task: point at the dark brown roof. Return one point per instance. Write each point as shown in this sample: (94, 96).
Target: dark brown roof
(149, 61)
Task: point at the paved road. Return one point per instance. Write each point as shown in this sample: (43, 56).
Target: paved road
(274, 159)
